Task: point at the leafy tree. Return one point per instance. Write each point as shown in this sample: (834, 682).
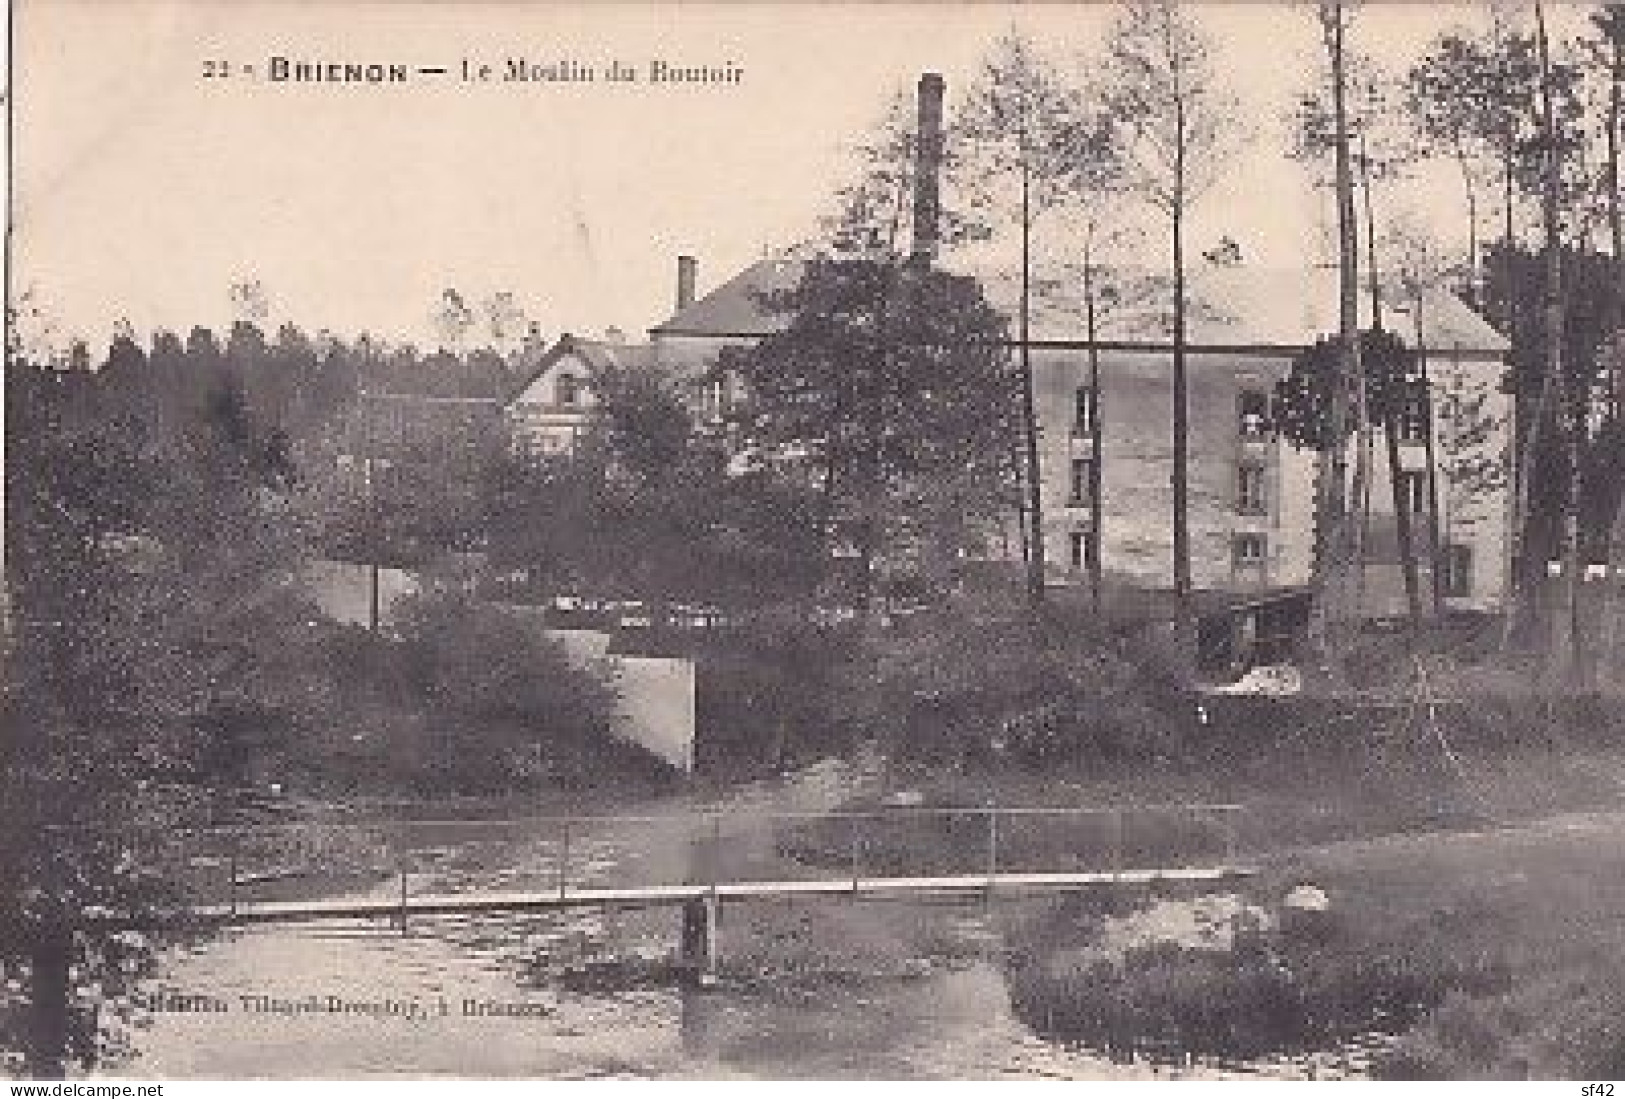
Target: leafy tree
(872, 210)
(1445, 95)
(452, 318)
(136, 572)
(505, 319)
(249, 302)
(887, 392)
(646, 507)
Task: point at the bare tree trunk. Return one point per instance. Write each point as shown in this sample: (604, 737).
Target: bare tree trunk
(1566, 416)
(1185, 611)
(1018, 466)
(1616, 119)
(50, 961)
(1616, 229)
(1365, 464)
(1390, 428)
(1328, 578)
(1435, 546)
(1402, 523)
(1526, 430)
(1474, 291)
(1096, 474)
(1350, 552)
(1036, 570)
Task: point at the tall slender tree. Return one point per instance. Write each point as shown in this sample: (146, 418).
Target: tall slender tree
(1335, 554)
(1025, 125)
(1569, 416)
(1420, 269)
(1609, 21)
(1178, 125)
(1381, 150)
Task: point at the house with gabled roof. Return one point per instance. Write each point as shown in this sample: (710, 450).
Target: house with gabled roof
(556, 401)
(1106, 459)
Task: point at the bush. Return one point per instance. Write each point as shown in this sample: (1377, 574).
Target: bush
(1275, 991)
(1557, 1028)
(983, 676)
(503, 704)
(765, 689)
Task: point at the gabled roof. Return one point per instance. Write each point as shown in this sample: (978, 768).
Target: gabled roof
(596, 355)
(736, 307)
(1228, 308)
(1239, 307)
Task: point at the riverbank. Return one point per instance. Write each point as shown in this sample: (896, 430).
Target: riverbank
(1532, 909)
(1472, 873)
(1459, 891)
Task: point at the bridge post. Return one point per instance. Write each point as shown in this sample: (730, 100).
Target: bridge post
(992, 846)
(856, 849)
(1117, 841)
(699, 952)
(231, 869)
(564, 861)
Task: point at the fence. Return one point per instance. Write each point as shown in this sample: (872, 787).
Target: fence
(239, 866)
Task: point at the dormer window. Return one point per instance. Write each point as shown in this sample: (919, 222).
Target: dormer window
(567, 390)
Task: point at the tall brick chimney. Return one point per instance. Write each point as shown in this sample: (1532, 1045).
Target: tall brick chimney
(927, 168)
(687, 268)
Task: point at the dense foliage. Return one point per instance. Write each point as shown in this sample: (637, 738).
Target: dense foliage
(1301, 410)
(888, 395)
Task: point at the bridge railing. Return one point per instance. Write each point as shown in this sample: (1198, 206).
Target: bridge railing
(245, 865)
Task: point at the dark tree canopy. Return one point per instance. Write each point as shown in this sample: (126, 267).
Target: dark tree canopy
(1302, 407)
(890, 393)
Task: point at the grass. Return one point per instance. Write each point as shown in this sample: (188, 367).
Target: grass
(1490, 954)
(1474, 864)
(1301, 780)
(1541, 902)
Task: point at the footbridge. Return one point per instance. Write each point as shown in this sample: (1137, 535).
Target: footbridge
(397, 872)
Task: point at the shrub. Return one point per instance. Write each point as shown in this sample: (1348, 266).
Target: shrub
(1274, 991)
(983, 676)
(504, 703)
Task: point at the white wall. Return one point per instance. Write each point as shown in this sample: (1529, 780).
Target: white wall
(656, 710)
(343, 591)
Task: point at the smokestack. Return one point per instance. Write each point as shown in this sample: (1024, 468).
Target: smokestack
(687, 267)
(927, 168)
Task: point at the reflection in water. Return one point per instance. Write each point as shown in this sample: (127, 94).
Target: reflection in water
(493, 996)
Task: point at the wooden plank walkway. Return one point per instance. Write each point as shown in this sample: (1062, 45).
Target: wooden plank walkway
(265, 912)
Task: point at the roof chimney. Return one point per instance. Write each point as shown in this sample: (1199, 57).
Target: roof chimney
(927, 165)
(687, 268)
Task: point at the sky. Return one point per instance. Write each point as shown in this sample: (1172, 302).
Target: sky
(144, 189)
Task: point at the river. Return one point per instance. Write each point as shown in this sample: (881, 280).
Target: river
(824, 989)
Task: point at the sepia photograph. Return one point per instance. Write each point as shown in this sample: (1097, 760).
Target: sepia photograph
(782, 541)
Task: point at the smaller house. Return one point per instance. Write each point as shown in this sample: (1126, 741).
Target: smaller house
(556, 402)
